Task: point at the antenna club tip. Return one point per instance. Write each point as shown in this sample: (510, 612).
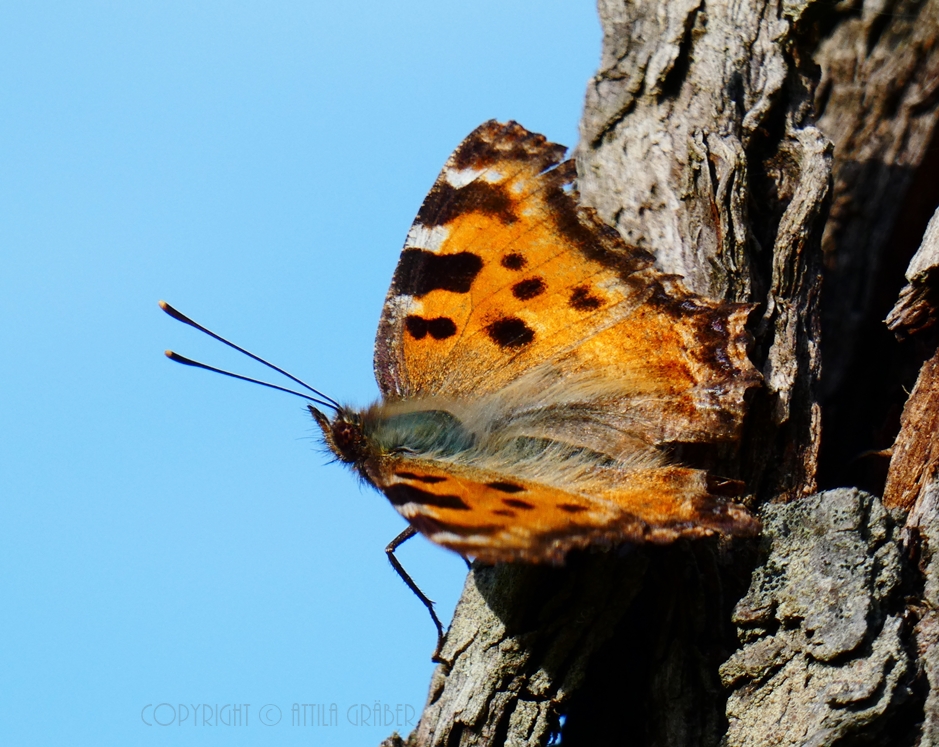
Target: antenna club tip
(169, 353)
(177, 315)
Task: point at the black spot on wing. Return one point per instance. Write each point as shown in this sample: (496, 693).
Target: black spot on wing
(583, 300)
(440, 328)
(518, 503)
(510, 332)
(429, 479)
(420, 272)
(527, 289)
(416, 326)
(513, 261)
(505, 512)
(571, 508)
(445, 202)
(505, 487)
(401, 494)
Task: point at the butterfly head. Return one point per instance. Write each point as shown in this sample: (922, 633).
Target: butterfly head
(343, 434)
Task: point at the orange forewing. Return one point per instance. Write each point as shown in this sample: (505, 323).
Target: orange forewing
(544, 281)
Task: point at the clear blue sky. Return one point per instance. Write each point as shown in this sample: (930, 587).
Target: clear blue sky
(167, 535)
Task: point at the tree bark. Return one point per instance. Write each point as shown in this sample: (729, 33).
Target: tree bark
(701, 142)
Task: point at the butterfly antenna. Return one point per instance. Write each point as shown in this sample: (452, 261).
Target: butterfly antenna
(320, 398)
(177, 358)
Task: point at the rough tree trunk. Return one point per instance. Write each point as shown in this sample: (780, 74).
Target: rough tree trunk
(707, 139)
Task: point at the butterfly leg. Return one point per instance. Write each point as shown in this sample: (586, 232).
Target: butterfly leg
(399, 569)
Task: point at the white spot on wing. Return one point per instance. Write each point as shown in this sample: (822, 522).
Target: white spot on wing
(428, 239)
(458, 178)
(409, 510)
(397, 307)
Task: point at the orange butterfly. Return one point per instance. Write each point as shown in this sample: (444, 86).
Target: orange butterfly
(533, 368)
(532, 365)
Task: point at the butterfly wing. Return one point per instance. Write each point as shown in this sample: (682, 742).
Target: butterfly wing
(496, 517)
(503, 273)
(531, 362)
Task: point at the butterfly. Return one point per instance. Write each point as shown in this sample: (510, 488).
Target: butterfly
(534, 370)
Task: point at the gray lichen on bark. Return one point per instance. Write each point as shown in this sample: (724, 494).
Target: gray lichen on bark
(923, 531)
(823, 653)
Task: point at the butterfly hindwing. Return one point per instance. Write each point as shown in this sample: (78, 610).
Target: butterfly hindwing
(497, 517)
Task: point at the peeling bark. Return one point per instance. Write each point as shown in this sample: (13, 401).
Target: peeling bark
(918, 306)
(915, 462)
